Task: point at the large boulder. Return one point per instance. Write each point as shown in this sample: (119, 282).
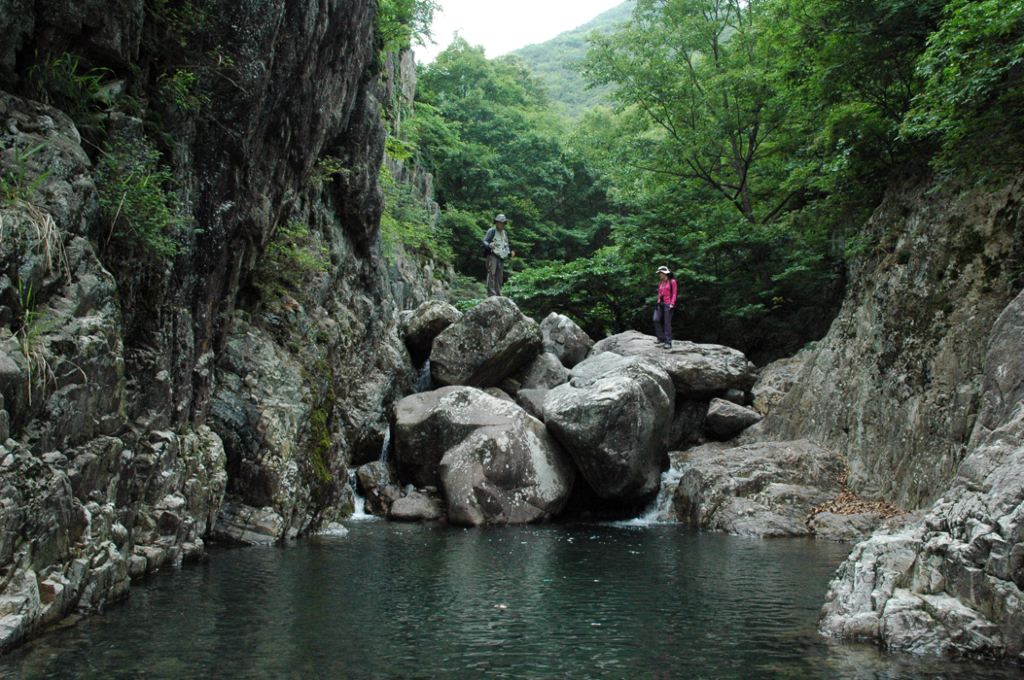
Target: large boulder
(614, 416)
(765, 489)
(416, 506)
(726, 419)
(490, 342)
(543, 373)
(495, 463)
(564, 339)
(696, 370)
(425, 324)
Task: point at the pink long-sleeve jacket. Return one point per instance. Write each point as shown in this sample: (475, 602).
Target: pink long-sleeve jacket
(667, 292)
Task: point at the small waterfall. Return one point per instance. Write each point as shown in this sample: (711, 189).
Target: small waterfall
(660, 509)
(424, 382)
(359, 513)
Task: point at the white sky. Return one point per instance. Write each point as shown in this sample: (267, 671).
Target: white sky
(505, 25)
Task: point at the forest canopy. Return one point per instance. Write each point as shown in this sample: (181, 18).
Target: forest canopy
(744, 143)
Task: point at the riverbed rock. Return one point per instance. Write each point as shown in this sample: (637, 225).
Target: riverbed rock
(543, 373)
(726, 419)
(374, 482)
(615, 417)
(490, 342)
(766, 489)
(775, 380)
(845, 528)
(425, 324)
(564, 339)
(532, 402)
(244, 525)
(696, 370)
(416, 506)
(495, 463)
(689, 424)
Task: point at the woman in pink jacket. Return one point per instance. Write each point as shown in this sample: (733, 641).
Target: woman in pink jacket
(667, 291)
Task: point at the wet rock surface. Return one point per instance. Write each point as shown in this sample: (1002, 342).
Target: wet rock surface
(489, 343)
(765, 489)
(951, 583)
(137, 366)
(494, 463)
(696, 370)
(614, 416)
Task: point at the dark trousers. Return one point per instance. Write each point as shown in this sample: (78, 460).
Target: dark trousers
(495, 275)
(663, 322)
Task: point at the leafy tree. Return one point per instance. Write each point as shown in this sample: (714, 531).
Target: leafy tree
(973, 99)
(486, 130)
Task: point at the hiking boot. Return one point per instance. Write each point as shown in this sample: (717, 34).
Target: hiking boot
(667, 345)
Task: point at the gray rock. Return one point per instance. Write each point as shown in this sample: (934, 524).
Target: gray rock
(425, 324)
(736, 396)
(532, 402)
(519, 479)
(696, 370)
(494, 462)
(688, 424)
(490, 342)
(766, 489)
(564, 339)
(614, 416)
(377, 487)
(543, 373)
(416, 507)
(951, 583)
(244, 525)
(498, 393)
(766, 399)
(844, 528)
(775, 380)
(726, 419)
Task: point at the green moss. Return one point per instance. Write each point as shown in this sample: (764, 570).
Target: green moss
(320, 444)
(291, 260)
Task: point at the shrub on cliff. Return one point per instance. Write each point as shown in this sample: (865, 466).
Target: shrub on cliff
(140, 210)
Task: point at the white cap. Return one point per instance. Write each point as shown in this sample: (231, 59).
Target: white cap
(500, 218)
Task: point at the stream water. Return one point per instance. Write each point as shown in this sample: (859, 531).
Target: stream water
(408, 601)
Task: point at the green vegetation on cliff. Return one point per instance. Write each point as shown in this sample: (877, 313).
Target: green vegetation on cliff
(745, 146)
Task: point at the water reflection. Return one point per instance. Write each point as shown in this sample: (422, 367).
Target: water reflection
(393, 601)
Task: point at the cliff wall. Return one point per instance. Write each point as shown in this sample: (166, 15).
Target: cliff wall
(896, 385)
(223, 387)
(919, 385)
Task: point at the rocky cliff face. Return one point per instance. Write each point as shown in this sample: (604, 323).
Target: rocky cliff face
(918, 385)
(150, 403)
(897, 383)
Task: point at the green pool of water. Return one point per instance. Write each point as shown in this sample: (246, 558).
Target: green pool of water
(403, 601)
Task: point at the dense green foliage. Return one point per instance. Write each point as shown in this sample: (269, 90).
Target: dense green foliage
(487, 131)
(553, 62)
(140, 211)
(973, 98)
(746, 144)
(400, 23)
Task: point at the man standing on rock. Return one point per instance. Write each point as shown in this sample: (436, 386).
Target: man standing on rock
(497, 248)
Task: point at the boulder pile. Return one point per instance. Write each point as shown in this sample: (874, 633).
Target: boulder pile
(524, 412)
